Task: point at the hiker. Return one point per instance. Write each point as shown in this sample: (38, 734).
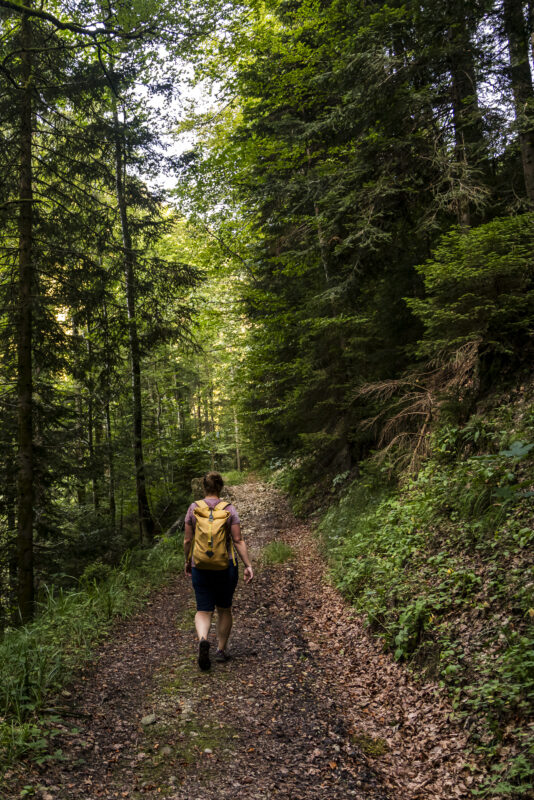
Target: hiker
(212, 537)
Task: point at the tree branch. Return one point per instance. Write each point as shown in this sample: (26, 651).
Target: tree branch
(70, 26)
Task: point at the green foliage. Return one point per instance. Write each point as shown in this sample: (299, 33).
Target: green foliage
(235, 478)
(98, 159)
(277, 553)
(19, 739)
(441, 569)
(38, 659)
(479, 287)
(94, 573)
(354, 145)
(369, 746)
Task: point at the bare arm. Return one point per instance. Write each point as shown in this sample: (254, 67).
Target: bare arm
(241, 547)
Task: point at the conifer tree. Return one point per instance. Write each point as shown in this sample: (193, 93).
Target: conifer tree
(60, 228)
(517, 34)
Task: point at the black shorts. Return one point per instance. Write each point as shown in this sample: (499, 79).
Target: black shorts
(215, 587)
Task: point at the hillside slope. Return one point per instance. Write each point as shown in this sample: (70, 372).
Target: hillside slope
(442, 568)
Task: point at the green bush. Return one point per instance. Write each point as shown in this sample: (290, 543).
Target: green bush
(234, 477)
(95, 573)
(479, 287)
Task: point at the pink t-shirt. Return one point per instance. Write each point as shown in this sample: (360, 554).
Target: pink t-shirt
(233, 519)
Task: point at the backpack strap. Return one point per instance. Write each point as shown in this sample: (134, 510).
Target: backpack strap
(221, 506)
(202, 505)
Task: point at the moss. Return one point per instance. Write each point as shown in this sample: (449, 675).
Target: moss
(369, 746)
(187, 619)
(185, 725)
(187, 740)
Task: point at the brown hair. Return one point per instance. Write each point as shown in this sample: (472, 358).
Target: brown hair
(213, 482)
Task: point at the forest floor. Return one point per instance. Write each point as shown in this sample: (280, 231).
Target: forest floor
(309, 707)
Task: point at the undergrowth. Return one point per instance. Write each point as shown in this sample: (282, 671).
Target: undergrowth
(37, 660)
(235, 477)
(277, 553)
(442, 569)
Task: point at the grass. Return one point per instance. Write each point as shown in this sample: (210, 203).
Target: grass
(37, 660)
(235, 478)
(277, 553)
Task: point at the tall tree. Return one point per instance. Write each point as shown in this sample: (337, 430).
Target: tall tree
(45, 64)
(146, 522)
(26, 290)
(357, 134)
(517, 34)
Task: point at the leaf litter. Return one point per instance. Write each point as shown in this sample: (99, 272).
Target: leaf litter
(309, 708)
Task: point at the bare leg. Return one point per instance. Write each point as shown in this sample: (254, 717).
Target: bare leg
(224, 626)
(203, 623)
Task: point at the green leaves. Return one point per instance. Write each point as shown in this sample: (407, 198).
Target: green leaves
(441, 569)
(38, 659)
(517, 450)
(480, 287)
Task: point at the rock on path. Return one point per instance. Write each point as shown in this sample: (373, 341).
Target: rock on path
(308, 709)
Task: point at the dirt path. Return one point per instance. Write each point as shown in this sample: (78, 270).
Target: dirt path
(308, 709)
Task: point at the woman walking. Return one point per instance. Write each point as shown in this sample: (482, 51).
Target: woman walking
(212, 537)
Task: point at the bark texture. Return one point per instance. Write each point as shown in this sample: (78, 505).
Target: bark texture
(146, 521)
(521, 80)
(25, 472)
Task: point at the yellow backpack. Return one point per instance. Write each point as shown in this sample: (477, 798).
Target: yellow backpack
(209, 540)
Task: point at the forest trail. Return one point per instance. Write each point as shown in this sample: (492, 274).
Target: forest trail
(309, 707)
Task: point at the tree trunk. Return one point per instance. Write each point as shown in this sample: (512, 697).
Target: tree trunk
(107, 412)
(91, 418)
(25, 476)
(97, 427)
(521, 80)
(111, 467)
(146, 521)
(237, 454)
(467, 118)
(80, 439)
(212, 426)
(531, 19)
(177, 402)
(470, 144)
(199, 412)
(13, 586)
(9, 593)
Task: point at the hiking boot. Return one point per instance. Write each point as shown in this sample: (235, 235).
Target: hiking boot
(222, 656)
(204, 654)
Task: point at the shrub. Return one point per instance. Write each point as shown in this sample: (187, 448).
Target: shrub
(234, 477)
(479, 287)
